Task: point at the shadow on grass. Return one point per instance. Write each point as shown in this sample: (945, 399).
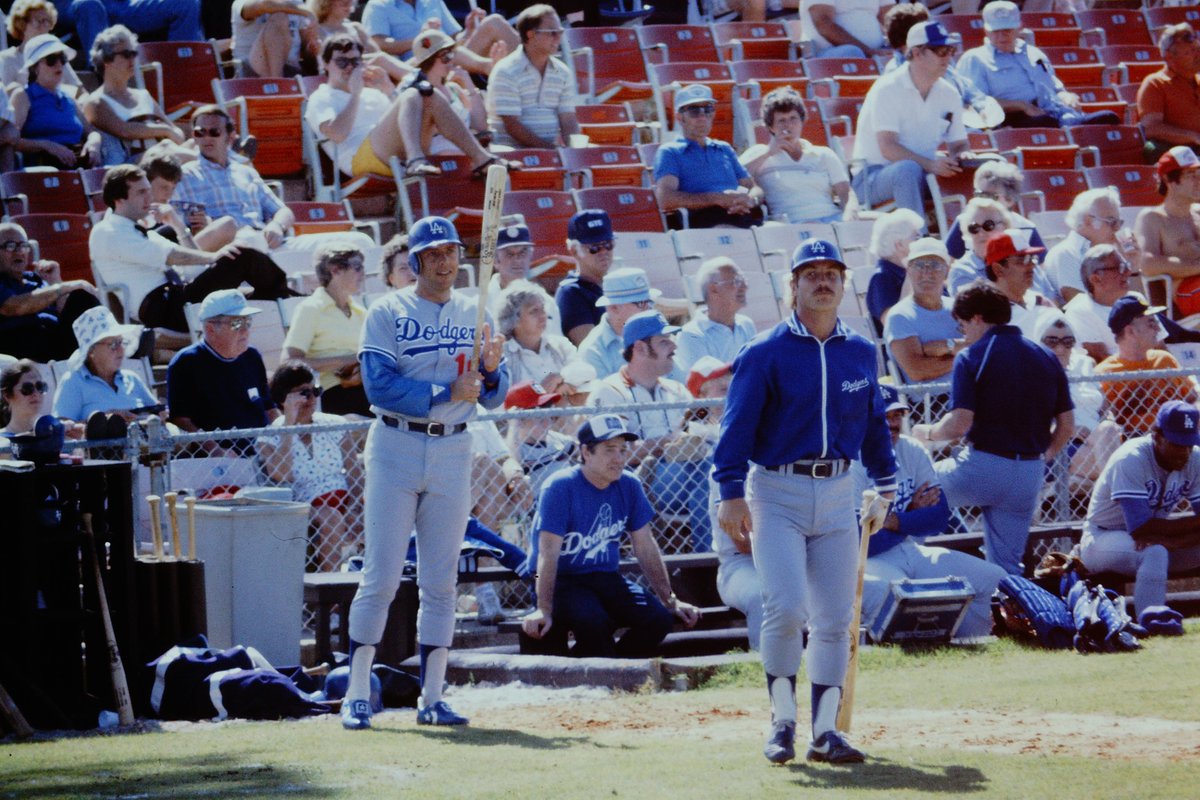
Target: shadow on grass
(489, 737)
(879, 773)
(158, 777)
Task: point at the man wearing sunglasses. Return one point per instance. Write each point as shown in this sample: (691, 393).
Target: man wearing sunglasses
(703, 176)
(37, 307)
(590, 240)
(626, 292)
(1094, 218)
(1106, 275)
(1011, 266)
(1168, 101)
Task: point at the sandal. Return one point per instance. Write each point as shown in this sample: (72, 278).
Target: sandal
(480, 172)
(420, 167)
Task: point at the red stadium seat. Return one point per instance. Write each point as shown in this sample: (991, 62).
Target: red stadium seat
(607, 123)
(43, 193)
(543, 169)
(671, 43)
(1163, 16)
(1114, 144)
(950, 196)
(667, 77)
(441, 194)
(1137, 184)
(1037, 148)
(1076, 66)
(270, 109)
(62, 238)
(753, 40)
(1114, 26)
(1134, 62)
(183, 74)
(629, 208)
(1104, 98)
(968, 26)
(756, 78)
(1050, 189)
(1052, 30)
(588, 167)
(841, 77)
(608, 63)
(839, 115)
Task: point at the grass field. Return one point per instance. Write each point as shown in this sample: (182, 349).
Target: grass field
(1003, 721)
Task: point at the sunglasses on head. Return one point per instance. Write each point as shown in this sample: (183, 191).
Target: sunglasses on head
(29, 387)
(308, 392)
(987, 225)
(54, 59)
(599, 246)
(347, 62)
(200, 133)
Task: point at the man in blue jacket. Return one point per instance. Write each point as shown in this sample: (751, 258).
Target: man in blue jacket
(803, 403)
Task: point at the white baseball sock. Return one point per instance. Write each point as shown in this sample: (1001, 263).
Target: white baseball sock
(359, 687)
(435, 675)
(783, 697)
(825, 702)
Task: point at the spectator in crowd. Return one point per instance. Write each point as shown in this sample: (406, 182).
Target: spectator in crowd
(433, 54)
(716, 329)
(220, 382)
(333, 17)
(95, 381)
(326, 328)
(590, 240)
(274, 38)
(23, 400)
(801, 181)
(54, 131)
(1020, 77)
(891, 236)
(844, 29)
(703, 176)
(540, 449)
(678, 477)
(921, 333)
(485, 38)
(583, 513)
(1131, 528)
(982, 219)
(187, 224)
(1168, 101)
(1167, 234)
(906, 117)
(897, 21)
(1105, 275)
(1012, 427)
(179, 18)
(228, 187)
(531, 95)
(1010, 268)
(532, 351)
(1095, 438)
(1094, 218)
(514, 259)
(999, 181)
(626, 292)
(314, 464)
(362, 127)
(898, 550)
(396, 270)
(26, 20)
(1137, 332)
(129, 119)
(144, 262)
(37, 307)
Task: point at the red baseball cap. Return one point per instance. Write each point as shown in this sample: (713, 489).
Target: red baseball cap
(530, 395)
(1181, 157)
(1010, 243)
(704, 370)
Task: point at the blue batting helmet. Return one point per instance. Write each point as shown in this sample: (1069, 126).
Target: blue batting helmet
(811, 251)
(426, 233)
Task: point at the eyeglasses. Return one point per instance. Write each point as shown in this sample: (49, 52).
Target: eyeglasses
(200, 133)
(114, 344)
(941, 51)
(12, 247)
(308, 392)
(927, 265)
(738, 282)
(549, 31)
(1056, 341)
(601, 246)
(708, 109)
(642, 304)
(236, 324)
(54, 59)
(355, 266)
(1122, 268)
(29, 387)
(1112, 222)
(131, 54)
(347, 62)
(988, 225)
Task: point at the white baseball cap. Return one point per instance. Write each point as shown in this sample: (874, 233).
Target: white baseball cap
(226, 303)
(1001, 16)
(693, 95)
(927, 246)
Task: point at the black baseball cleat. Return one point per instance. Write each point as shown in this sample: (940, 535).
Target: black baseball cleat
(781, 744)
(832, 748)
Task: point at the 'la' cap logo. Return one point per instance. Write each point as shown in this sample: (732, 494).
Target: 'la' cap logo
(436, 227)
(1188, 423)
(817, 247)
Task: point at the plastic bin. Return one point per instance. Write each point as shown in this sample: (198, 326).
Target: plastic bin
(253, 553)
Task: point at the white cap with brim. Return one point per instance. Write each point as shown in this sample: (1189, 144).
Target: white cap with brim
(43, 45)
(97, 324)
(927, 246)
(1001, 16)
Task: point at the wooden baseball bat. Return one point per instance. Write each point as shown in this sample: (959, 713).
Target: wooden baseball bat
(493, 201)
(155, 525)
(191, 512)
(870, 525)
(115, 667)
(13, 717)
(176, 548)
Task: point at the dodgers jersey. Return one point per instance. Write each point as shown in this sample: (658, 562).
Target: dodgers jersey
(914, 468)
(1133, 474)
(430, 345)
(590, 521)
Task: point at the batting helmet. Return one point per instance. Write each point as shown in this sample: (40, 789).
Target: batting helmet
(338, 680)
(811, 251)
(426, 233)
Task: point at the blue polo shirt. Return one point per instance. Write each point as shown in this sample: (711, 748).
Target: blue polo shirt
(217, 393)
(576, 299)
(711, 166)
(14, 287)
(1016, 388)
(81, 393)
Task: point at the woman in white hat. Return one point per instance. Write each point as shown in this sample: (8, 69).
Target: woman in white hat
(95, 380)
(54, 131)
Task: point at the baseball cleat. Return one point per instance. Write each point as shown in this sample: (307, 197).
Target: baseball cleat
(831, 747)
(439, 714)
(781, 744)
(356, 715)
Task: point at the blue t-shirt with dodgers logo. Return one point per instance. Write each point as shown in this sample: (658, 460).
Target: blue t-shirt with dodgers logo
(590, 521)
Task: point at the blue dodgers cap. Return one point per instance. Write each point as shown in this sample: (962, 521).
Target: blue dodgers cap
(931, 34)
(644, 325)
(810, 251)
(1127, 309)
(513, 235)
(590, 226)
(226, 303)
(429, 232)
(603, 427)
(1179, 423)
(892, 399)
(627, 285)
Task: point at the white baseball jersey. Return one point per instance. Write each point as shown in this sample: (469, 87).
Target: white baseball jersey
(1132, 473)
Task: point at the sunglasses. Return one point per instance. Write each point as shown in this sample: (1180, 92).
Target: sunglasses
(942, 51)
(1112, 222)
(705, 110)
(1055, 341)
(130, 54)
(29, 387)
(12, 247)
(308, 392)
(927, 265)
(54, 59)
(347, 62)
(987, 225)
(355, 266)
(738, 282)
(200, 133)
(238, 324)
(601, 246)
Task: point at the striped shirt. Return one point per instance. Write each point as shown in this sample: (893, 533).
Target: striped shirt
(517, 89)
(236, 190)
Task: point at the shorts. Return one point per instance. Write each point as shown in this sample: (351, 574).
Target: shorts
(365, 162)
(338, 499)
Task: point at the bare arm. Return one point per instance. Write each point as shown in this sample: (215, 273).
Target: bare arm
(1157, 128)
(277, 459)
(257, 8)
(1170, 533)
(666, 190)
(1096, 350)
(1148, 230)
(538, 623)
(568, 124)
(579, 333)
(21, 305)
(891, 149)
(649, 558)
(1064, 429)
(325, 363)
(523, 136)
(918, 366)
(824, 20)
(952, 426)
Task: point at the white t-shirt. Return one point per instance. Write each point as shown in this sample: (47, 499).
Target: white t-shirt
(859, 18)
(326, 103)
(1089, 320)
(800, 188)
(923, 123)
(1062, 263)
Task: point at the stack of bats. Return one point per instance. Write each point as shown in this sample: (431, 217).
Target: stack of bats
(171, 604)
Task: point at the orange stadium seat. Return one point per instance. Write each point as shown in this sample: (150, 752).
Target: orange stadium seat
(1104, 98)
(62, 238)
(612, 165)
(1114, 144)
(1052, 30)
(1037, 148)
(443, 193)
(1132, 61)
(840, 77)
(543, 169)
(756, 78)
(839, 115)
(1162, 16)
(631, 208)
(608, 63)
(1136, 183)
(40, 192)
(183, 74)
(668, 77)
(1076, 66)
(607, 123)
(753, 40)
(1114, 26)
(670, 43)
(271, 110)
(1050, 189)
(323, 217)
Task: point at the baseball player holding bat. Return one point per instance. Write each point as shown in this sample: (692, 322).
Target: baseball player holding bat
(415, 353)
(804, 401)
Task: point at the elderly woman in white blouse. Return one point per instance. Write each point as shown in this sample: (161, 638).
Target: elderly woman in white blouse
(532, 353)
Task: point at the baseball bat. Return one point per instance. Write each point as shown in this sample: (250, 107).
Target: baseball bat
(13, 717)
(191, 512)
(155, 525)
(176, 548)
(870, 524)
(493, 201)
(115, 667)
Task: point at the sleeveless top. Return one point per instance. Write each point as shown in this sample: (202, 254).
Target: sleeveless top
(116, 150)
(52, 116)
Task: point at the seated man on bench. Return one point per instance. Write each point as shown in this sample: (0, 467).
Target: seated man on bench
(582, 514)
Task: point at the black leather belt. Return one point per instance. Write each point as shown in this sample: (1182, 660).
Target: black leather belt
(1011, 456)
(821, 468)
(427, 428)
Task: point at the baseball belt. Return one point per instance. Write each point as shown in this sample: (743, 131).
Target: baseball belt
(817, 468)
(427, 428)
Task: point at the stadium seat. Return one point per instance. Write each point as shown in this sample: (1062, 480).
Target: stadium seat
(762, 305)
(1076, 66)
(753, 40)
(1128, 92)
(776, 241)
(39, 192)
(749, 128)
(543, 169)
(607, 123)
(694, 246)
(839, 115)
(1105, 98)
(271, 109)
(546, 213)
(613, 165)
(1114, 144)
(183, 74)
(440, 194)
(669, 77)
(1137, 184)
(1133, 62)
(968, 26)
(1113, 26)
(631, 208)
(1162, 16)
(653, 251)
(1052, 30)
(1050, 189)
(853, 239)
(93, 187)
(62, 238)
(1037, 148)
(329, 217)
(756, 78)
(950, 195)
(608, 64)
(673, 43)
(1051, 226)
(840, 77)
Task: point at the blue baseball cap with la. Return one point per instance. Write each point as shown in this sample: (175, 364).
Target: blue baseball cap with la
(1179, 423)
(590, 226)
(644, 325)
